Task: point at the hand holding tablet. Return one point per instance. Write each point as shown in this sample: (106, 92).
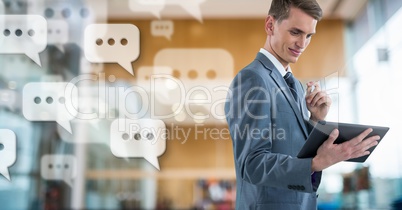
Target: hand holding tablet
(348, 140)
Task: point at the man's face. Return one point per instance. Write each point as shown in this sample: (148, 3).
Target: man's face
(291, 36)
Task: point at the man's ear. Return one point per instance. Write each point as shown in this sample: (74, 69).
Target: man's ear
(269, 25)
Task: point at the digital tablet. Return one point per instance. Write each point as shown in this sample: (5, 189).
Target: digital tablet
(321, 132)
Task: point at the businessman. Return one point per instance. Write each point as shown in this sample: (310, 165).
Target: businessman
(270, 117)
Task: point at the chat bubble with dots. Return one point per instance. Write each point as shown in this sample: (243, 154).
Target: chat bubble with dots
(142, 138)
(145, 73)
(59, 168)
(23, 34)
(163, 28)
(197, 63)
(205, 75)
(57, 33)
(50, 101)
(77, 14)
(8, 151)
(157, 82)
(112, 43)
(195, 67)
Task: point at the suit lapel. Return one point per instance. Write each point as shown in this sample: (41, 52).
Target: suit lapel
(281, 85)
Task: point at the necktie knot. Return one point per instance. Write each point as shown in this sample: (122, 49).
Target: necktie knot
(291, 83)
(289, 79)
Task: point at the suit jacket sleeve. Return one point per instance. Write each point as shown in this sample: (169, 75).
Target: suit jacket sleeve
(249, 116)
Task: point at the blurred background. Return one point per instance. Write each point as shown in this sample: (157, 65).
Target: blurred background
(198, 46)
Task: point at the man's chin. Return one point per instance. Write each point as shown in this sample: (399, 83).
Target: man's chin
(293, 60)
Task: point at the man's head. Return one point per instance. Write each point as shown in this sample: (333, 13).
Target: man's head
(289, 26)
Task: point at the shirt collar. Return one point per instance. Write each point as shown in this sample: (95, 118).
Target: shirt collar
(276, 63)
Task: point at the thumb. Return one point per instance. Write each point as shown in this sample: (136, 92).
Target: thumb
(333, 136)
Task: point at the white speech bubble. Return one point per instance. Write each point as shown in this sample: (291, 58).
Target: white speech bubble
(145, 73)
(163, 28)
(23, 34)
(191, 6)
(205, 75)
(142, 138)
(209, 67)
(8, 151)
(152, 6)
(200, 64)
(77, 14)
(57, 33)
(50, 101)
(112, 43)
(59, 167)
(160, 92)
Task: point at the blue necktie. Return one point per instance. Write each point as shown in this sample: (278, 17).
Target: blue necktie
(290, 80)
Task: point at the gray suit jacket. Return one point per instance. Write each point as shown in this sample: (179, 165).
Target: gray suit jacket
(268, 129)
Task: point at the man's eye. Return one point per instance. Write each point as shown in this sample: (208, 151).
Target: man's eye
(294, 33)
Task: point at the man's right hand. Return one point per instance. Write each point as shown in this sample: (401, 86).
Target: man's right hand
(329, 153)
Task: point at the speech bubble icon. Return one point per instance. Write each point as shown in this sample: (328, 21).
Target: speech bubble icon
(77, 14)
(209, 64)
(59, 167)
(57, 34)
(152, 6)
(138, 138)
(163, 28)
(8, 151)
(204, 67)
(145, 73)
(191, 6)
(50, 101)
(112, 43)
(25, 34)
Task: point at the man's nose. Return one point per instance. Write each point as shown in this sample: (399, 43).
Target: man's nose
(302, 42)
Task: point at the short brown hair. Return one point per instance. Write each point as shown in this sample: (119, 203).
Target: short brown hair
(280, 8)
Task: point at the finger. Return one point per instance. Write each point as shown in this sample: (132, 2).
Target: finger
(368, 141)
(360, 154)
(361, 136)
(319, 96)
(332, 137)
(317, 86)
(325, 100)
(309, 86)
(310, 92)
(365, 151)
